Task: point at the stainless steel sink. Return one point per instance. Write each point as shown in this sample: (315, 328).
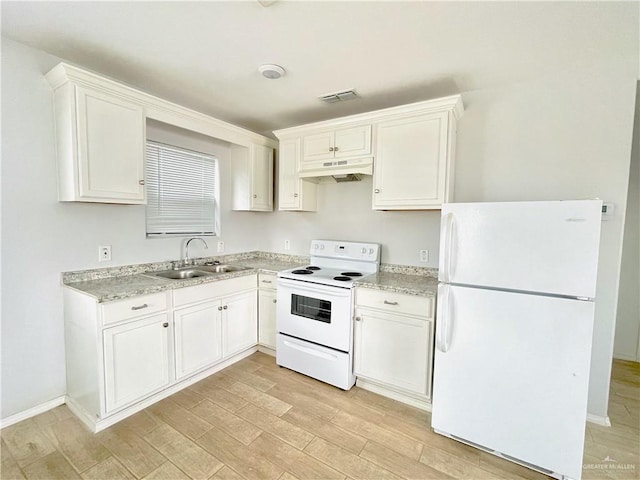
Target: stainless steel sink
(180, 274)
(221, 268)
(197, 271)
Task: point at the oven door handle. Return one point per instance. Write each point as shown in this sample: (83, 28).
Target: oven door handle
(315, 288)
(310, 351)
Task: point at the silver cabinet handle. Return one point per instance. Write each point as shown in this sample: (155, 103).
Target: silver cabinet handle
(377, 190)
(255, 196)
(219, 309)
(140, 307)
(331, 149)
(225, 307)
(335, 149)
(140, 182)
(165, 324)
(267, 281)
(358, 319)
(275, 301)
(295, 195)
(390, 303)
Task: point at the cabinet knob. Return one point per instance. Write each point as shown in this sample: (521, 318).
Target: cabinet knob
(255, 196)
(295, 195)
(335, 149)
(358, 319)
(377, 190)
(225, 307)
(220, 309)
(331, 149)
(140, 182)
(275, 301)
(165, 324)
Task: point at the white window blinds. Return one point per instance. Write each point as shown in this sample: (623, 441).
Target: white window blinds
(182, 191)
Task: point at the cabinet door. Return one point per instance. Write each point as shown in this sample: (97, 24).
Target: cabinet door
(239, 322)
(198, 337)
(317, 147)
(111, 136)
(394, 350)
(411, 169)
(136, 360)
(289, 182)
(261, 178)
(267, 318)
(352, 142)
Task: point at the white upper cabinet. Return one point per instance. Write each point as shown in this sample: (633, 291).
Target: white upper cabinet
(413, 163)
(100, 143)
(412, 147)
(341, 143)
(293, 192)
(252, 170)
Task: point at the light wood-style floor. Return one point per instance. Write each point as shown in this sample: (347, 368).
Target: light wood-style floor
(255, 420)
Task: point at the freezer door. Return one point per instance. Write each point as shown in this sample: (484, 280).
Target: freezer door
(548, 247)
(511, 374)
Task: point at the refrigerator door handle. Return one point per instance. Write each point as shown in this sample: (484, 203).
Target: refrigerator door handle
(444, 325)
(448, 246)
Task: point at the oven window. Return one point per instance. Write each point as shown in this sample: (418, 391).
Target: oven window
(312, 308)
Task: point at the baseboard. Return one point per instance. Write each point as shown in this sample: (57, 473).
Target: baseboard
(31, 412)
(626, 358)
(267, 350)
(374, 387)
(597, 419)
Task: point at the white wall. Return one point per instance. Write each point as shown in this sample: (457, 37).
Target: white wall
(627, 336)
(561, 137)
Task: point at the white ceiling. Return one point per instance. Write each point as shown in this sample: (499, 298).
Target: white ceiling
(205, 55)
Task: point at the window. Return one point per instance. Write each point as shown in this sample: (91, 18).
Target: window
(182, 191)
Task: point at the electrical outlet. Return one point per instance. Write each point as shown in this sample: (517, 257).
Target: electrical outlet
(220, 246)
(424, 255)
(104, 253)
(287, 245)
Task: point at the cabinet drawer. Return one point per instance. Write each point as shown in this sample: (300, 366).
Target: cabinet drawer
(134, 307)
(267, 280)
(394, 302)
(207, 291)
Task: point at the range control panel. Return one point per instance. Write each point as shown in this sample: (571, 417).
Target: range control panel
(368, 252)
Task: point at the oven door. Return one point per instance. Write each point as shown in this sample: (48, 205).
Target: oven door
(316, 313)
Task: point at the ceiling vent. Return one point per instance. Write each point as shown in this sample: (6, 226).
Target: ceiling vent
(339, 96)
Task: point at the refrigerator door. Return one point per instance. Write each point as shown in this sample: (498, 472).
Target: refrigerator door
(512, 374)
(546, 247)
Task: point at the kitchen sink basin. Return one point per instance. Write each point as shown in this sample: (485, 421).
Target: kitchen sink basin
(197, 271)
(221, 268)
(180, 274)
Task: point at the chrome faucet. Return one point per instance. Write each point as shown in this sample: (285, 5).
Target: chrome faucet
(186, 249)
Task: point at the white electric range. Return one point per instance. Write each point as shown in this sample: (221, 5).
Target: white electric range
(314, 312)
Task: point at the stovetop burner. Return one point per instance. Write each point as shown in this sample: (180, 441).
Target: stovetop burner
(312, 267)
(351, 274)
(342, 278)
(302, 272)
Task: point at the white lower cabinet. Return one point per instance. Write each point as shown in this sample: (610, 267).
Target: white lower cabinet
(239, 323)
(393, 345)
(267, 310)
(124, 355)
(198, 337)
(136, 360)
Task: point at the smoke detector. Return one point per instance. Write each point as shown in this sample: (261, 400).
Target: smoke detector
(271, 72)
(339, 96)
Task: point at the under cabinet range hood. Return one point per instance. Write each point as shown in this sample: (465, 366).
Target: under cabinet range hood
(337, 170)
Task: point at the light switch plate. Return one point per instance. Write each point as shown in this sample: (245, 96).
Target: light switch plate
(104, 253)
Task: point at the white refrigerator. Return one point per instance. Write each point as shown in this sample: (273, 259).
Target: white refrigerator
(513, 329)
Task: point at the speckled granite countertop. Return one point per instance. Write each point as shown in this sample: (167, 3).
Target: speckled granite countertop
(410, 284)
(118, 283)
